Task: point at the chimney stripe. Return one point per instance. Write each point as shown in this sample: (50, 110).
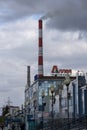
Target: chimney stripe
(40, 24)
(40, 42)
(40, 60)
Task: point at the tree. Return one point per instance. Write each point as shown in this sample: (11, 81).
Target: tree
(5, 110)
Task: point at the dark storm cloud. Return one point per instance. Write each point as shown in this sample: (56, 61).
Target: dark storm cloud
(14, 10)
(62, 14)
(70, 16)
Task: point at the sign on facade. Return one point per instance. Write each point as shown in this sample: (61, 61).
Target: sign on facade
(60, 72)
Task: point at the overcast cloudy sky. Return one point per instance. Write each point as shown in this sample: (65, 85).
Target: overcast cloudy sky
(64, 41)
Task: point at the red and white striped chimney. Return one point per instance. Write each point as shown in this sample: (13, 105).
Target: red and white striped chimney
(40, 51)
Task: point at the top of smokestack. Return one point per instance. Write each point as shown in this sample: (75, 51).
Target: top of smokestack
(40, 23)
(28, 76)
(40, 20)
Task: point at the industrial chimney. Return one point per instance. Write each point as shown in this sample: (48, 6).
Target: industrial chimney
(28, 76)
(40, 51)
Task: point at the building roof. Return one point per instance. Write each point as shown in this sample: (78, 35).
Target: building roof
(55, 77)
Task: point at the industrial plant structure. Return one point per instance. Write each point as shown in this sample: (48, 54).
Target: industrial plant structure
(47, 96)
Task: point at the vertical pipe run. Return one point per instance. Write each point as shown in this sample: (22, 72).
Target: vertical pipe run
(40, 51)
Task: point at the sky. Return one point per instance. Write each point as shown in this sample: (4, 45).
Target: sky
(64, 41)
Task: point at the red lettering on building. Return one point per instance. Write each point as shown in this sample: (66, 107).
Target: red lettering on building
(61, 71)
(54, 69)
(65, 71)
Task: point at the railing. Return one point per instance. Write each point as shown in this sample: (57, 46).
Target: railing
(63, 124)
(76, 124)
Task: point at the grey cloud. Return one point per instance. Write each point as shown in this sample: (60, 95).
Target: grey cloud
(63, 15)
(26, 52)
(75, 62)
(82, 35)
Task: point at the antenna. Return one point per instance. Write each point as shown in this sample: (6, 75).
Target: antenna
(9, 101)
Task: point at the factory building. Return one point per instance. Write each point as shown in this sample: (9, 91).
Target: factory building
(36, 104)
(41, 101)
(35, 94)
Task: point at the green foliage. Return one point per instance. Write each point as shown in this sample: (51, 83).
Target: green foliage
(2, 118)
(5, 110)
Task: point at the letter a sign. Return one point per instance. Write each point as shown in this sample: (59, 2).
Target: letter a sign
(54, 69)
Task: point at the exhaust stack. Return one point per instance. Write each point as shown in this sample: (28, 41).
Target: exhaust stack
(28, 76)
(40, 51)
